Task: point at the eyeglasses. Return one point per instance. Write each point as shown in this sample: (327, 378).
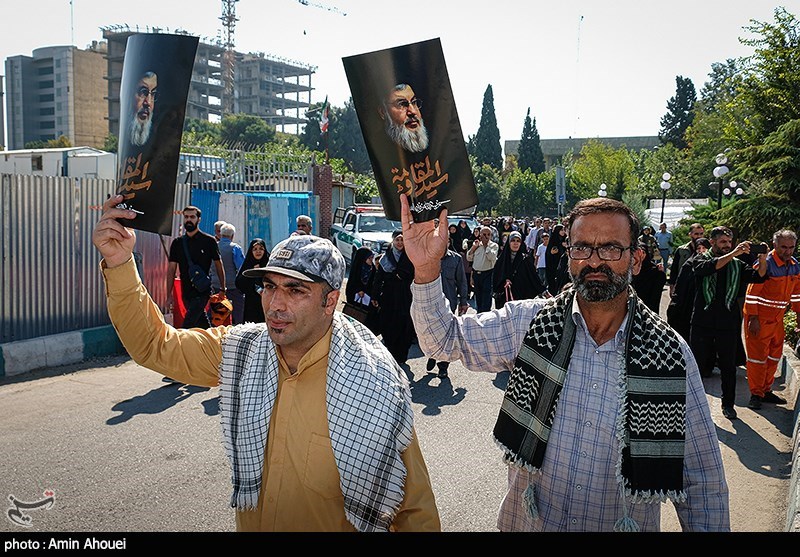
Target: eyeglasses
(403, 104)
(144, 92)
(606, 253)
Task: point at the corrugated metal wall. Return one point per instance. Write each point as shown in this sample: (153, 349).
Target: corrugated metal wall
(49, 272)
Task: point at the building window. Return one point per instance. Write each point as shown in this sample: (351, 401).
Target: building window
(46, 98)
(46, 84)
(36, 163)
(47, 125)
(46, 70)
(47, 111)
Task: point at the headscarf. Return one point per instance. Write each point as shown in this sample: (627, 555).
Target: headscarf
(250, 260)
(360, 271)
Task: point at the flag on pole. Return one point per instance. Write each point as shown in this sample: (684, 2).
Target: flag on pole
(323, 121)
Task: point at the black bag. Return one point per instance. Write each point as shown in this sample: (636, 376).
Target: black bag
(200, 280)
(359, 312)
(198, 277)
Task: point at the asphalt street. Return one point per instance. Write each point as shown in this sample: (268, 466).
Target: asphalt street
(123, 451)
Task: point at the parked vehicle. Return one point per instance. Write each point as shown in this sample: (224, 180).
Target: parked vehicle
(362, 225)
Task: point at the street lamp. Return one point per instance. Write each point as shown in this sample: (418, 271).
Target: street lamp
(665, 185)
(602, 192)
(720, 171)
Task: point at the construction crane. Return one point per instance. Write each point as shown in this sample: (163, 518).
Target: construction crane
(229, 20)
(321, 6)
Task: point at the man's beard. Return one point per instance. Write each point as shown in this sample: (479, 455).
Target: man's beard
(189, 226)
(602, 291)
(140, 131)
(415, 141)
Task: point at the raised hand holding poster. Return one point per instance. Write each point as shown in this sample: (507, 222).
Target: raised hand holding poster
(155, 85)
(408, 117)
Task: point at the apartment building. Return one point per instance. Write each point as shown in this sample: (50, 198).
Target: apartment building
(63, 90)
(56, 92)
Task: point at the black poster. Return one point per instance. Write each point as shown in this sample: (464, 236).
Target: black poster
(408, 117)
(155, 85)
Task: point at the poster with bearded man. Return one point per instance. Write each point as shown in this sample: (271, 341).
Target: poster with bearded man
(411, 129)
(153, 93)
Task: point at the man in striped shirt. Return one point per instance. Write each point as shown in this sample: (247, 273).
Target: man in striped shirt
(581, 481)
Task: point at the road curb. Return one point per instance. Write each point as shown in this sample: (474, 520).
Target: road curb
(791, 371)
(23, 356)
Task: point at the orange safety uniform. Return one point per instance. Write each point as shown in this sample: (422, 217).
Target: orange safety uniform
(769, 301)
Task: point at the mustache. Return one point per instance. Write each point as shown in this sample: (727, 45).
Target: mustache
(605, 269)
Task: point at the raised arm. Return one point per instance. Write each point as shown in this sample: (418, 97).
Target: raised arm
(425, 243)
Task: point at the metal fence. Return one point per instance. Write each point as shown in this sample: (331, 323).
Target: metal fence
(50, 280)
(217, 169)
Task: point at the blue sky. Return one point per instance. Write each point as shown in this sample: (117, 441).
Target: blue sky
(586, 68)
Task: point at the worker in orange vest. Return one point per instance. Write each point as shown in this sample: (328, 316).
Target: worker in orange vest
(764, 307)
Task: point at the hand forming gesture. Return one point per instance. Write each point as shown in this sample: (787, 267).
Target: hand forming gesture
(114, 241)
(425, 243)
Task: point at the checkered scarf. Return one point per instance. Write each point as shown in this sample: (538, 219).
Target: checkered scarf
(652, 400)
(370, 418)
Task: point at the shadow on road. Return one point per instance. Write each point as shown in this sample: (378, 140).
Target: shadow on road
(158, 400)
(752, 449)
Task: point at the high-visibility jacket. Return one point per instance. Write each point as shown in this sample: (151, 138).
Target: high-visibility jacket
(770, 298)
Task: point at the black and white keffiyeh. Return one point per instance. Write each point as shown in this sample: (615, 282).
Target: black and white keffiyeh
(652, 402)
(370, 418)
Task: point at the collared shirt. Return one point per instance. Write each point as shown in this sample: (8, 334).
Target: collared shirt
(483, 258)
(578, 489)
(300, 489)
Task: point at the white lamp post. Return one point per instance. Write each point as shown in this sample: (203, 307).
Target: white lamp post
(665, 185)
(720, 171)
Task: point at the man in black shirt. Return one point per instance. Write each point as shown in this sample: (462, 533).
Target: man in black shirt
(717, 317)
(203, 249)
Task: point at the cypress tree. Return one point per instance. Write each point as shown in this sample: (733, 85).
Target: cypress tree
(680, 113)
(486, 144)
(529, 154)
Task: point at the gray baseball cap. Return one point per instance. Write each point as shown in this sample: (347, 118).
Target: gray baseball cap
(305, 257)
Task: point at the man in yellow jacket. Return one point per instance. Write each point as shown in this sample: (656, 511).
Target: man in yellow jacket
(316, 415)
(764, 308)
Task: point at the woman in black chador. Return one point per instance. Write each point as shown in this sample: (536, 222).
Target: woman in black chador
(256, 256)
(359, 284)
(391, 294)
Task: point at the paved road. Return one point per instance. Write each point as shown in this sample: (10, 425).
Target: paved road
(125, 452)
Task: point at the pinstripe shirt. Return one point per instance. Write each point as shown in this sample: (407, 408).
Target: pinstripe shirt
(577, 490)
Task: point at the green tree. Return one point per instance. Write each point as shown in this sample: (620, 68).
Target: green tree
(245, 130)
(344, 141)
(600, 163)
(203, 128)
(770, 92)
(111, 143)
(772, 174)
(529, 153)
(486, 143)
(347, 142)
(680, 112)
(489, 183)
(528, 194)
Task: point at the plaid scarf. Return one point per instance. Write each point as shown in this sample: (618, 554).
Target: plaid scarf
(652, 398)
(370, 418)
(709, 283)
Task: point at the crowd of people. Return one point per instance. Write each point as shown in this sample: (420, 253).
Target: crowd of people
(602, 392)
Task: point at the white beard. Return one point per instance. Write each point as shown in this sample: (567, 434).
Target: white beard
(140, 131)
(415, 141)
